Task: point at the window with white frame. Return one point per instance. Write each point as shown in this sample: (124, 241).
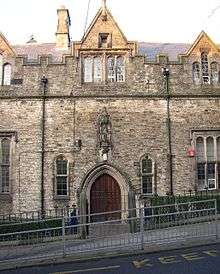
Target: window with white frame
(204, 72)
(98, 69)
(205, 67)
(214, 73)
(147, 175)
(92, 69)
(88, 69)
(6, 78)
(196, 73)
(5, 163)
(208, 160)
(61, 186)
(116, 69)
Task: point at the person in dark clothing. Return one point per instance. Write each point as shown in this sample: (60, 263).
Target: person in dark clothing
(73, 221)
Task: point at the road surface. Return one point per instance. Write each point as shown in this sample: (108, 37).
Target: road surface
(197, 260)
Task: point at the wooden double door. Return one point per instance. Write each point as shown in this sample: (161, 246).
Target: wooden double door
(105, 196)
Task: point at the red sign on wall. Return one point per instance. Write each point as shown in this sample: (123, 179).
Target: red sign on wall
(191, 152)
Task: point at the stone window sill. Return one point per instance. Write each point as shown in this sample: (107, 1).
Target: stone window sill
(147, 195)
(94, 84)
(62, 198)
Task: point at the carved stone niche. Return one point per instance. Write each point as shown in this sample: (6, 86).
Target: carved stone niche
(104, 135)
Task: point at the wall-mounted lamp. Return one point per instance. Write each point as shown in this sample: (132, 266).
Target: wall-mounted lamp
(44, 80)
(166, 72)
(78, 144)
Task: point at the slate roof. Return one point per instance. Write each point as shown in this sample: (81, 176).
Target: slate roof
(148, 49)
(171, 49)
(35, 50)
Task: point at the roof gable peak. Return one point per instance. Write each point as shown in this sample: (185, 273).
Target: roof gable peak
(201, 42)
(104, 15)
(5, 47)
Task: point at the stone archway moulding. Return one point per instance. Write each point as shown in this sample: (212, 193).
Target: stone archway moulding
(98, 171)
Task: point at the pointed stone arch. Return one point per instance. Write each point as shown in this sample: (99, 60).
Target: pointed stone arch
(106, 169)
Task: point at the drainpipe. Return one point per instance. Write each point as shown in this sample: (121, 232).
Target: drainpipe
(166, 74)
(44, 82)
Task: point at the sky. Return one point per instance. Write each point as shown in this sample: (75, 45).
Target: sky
(141, 20)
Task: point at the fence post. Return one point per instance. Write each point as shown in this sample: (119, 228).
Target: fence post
(63, 236)
(216, 219)
(141, 213)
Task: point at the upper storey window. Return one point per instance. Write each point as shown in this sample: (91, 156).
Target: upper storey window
(99, 69)
(205, 67)
(116, 69)
(204, 72)
(92, 69)
(105, 40)
(214, 72)
(196, 72)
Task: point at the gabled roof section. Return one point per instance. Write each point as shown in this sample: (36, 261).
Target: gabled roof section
(5, 47)
(203, 41)
(104, 15)
(103, 22)
(104, 34)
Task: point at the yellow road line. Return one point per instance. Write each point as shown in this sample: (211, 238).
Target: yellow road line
(89, 269)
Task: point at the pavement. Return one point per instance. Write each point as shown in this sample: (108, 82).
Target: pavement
(196, 260)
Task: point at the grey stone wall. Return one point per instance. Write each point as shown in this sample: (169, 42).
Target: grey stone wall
(138, 113)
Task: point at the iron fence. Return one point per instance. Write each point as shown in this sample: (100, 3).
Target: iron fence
(127, 229)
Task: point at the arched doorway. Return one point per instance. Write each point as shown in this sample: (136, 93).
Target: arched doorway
(105, 196)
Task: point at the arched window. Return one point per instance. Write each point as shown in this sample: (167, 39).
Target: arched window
(196, 72)
(97, 69)
(200, 149)
(200, 152)
(207, 164)
(92, 69)
(210, 163)
(214, 73)
(205, 67)
(120, 69)
(4, 165)
(111, 69)
(218, 148)
(116, 69)
(210, 149)
(88, 65)
(61, 176)
(7, 74)
(147, 175)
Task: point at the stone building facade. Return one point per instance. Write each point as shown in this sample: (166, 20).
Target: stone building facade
(106, 119)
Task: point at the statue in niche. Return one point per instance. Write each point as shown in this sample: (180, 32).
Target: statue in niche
(104, 134)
